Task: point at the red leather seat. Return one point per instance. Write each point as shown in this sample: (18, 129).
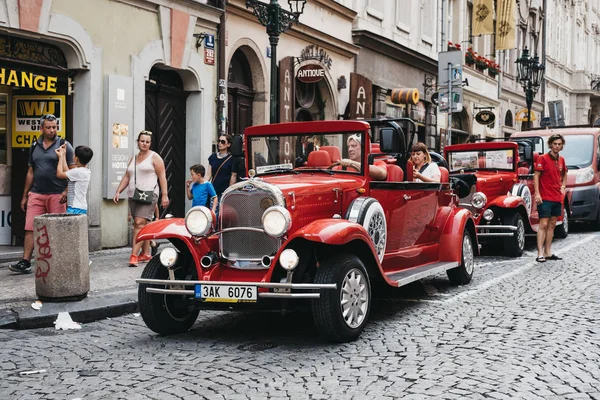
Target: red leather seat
(444, 175)
(375, 148)
(319, 158)
(333, 151)
(409, 171)
(394, 173)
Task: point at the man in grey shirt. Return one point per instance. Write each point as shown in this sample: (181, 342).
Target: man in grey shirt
(43, 192)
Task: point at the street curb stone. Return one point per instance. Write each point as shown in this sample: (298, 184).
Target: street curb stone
(87, 310)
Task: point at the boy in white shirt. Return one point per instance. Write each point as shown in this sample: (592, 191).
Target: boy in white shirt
(79, 178)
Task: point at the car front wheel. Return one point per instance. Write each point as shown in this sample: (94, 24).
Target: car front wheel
(341, 314)
(562, 231)
(462, 274)
(165, 314)
(516, 243)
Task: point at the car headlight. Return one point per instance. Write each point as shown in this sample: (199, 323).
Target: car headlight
(199, 221)
(584, 176)
(488, 214)
(478, 200)
(288, 259)
(168, 257)
(276, 221)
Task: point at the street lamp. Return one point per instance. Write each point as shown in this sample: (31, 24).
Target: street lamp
(530, 74)
(276, 20)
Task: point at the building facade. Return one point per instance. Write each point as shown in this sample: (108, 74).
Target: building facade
(321, 42)
(106, 83)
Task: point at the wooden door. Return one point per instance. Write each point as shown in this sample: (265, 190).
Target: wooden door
(166, 118)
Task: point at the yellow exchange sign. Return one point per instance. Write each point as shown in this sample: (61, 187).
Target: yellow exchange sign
(24, 79)
(27, 111)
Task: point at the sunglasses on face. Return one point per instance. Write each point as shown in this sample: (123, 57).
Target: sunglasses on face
(223, 141)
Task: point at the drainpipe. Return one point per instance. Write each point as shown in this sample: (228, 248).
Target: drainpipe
(444, 23)
(543, 94)
(221, 116)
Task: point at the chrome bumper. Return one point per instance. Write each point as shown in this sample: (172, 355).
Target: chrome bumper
(282, 293)
(495, 227)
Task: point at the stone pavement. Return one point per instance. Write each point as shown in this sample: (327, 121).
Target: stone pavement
(113, 291)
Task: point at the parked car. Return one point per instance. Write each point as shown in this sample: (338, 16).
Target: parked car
(582, 156)
(494, 180)
(308, 233)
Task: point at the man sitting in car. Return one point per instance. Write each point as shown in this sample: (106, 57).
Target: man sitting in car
(377, 170)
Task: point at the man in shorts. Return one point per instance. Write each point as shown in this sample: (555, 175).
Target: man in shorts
(44, 192)
(550, 182)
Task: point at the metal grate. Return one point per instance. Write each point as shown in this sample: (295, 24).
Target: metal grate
(244, 208)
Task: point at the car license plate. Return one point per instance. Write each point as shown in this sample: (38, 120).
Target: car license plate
(225, 293)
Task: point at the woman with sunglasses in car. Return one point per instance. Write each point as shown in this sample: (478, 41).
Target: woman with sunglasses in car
(220, 171)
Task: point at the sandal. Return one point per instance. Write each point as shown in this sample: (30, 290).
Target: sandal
(540, 259)
(553, 257)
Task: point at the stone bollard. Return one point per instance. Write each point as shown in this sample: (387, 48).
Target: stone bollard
(62, 271)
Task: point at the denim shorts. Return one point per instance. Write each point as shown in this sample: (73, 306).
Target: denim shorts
(549, 209)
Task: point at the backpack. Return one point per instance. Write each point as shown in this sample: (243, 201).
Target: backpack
(34, 145)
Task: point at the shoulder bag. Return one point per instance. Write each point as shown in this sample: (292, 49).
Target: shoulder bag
(141, 196)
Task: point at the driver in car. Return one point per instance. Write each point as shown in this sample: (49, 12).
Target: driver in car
(377, 171)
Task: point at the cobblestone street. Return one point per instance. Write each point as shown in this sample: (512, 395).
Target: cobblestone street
(521, 329)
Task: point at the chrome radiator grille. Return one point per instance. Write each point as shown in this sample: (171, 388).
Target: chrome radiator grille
(244, 209)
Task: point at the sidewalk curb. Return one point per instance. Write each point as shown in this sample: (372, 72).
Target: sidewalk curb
(90, 309)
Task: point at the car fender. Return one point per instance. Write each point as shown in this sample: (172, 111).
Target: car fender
(333, 231)
(451, 237)
(507, 202)
(174, 230)
(339, 232)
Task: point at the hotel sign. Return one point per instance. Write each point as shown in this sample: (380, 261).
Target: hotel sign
(310, 73)
(23, 79)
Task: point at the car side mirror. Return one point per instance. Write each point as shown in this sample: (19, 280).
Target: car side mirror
(389, 140)
(237, 146)
(528, 153)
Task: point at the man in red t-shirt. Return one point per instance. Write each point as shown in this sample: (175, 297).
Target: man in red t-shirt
(550, 182)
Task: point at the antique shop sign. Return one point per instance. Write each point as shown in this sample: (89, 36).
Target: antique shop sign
(310, 73)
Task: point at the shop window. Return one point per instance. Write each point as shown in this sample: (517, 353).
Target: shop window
(508, 119)
(3, 127)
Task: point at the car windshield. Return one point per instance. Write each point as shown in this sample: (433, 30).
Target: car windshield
(472, 160)
(577, 152)
(304, 152)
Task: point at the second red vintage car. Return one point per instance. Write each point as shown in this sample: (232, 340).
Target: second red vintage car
(495, 181)
(305, 231)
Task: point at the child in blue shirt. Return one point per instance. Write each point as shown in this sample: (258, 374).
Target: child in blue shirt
(199, 190)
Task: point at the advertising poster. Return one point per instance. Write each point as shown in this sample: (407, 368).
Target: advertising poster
(27, 111)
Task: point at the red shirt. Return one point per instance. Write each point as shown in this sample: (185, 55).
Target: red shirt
(551, 177)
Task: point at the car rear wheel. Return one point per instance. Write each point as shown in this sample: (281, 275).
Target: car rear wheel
(562, 231)
(462, 274)
(341, 314)
(515, 244)
(165, 314)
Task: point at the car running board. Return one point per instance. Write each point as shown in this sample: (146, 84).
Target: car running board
(410, 275)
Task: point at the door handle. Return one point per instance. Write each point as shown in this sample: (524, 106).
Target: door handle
(407, 197)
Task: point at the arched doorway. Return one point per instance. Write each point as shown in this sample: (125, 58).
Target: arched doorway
(165, 118)
(240, 94)
(312, 100)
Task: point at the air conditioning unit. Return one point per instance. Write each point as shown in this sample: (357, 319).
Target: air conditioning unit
(557, 113)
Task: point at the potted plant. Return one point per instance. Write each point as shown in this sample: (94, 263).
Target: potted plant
(481, 63)
(470, 57)
(453, 46)
(493, 69)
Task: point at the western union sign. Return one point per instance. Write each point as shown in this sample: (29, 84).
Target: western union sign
(24, 79)
(27, 111)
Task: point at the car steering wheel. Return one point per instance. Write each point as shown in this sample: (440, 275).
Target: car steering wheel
(338, 163)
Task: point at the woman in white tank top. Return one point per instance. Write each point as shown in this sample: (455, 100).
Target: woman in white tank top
(146, 171)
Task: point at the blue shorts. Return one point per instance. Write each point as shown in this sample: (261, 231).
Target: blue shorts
(73, 210)
(549, 209)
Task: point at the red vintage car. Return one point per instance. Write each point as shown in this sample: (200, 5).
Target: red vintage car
(302, 230)
(495, 181)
